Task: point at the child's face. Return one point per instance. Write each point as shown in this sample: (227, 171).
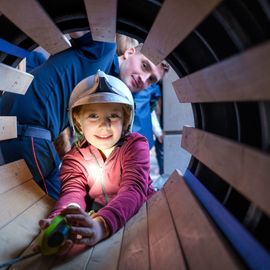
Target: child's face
(102, 125)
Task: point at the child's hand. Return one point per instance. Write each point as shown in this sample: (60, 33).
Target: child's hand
(85, 229)
(44, 223)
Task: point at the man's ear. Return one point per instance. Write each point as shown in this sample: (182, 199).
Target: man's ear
(129, 52)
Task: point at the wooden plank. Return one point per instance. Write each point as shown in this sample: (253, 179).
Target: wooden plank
(21, 231)
(229, 80)
(134, 252)
(22, 65)
(14, 80)
(8, 127)
(102, 256)
(78, 261)
(54, 262)
(36, 23)
(165, 249)
(175, 20)
(203, 245)
(39, 261)
(106, 253)
(102, 19)
(14, 204)
(13, 174)
(245, 168)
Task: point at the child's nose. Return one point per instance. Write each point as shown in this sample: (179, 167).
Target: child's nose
(106, 122)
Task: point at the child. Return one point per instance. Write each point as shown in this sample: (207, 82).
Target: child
(108, 166)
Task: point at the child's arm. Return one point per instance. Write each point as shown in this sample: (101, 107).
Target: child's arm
(74, 183)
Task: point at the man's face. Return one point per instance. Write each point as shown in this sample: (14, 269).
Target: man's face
(138, 72)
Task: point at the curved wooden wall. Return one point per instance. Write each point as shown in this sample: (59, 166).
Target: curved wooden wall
(171, 230)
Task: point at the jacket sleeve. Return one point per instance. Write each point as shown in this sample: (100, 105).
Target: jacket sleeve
(74, 184)
(92, 49)
(134, 187)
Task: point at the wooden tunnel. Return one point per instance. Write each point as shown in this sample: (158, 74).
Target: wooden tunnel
(216, 214)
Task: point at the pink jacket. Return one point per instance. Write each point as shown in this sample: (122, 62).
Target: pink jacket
(124, 178)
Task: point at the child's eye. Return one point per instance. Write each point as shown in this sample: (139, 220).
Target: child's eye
(93, 116)
(115, 116)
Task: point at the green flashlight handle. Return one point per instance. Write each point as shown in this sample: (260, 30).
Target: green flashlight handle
(52, 238)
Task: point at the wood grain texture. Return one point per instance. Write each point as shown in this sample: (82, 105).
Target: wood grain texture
(203, 246)
(175, 20)
(244, 77)
(18, 199)
(14, 80)
(36, 23)
(8, 127)
(13, 174)
(78, 260)
(106, 254)
(134, 251)
(165, 249)
(102, 19)
(245, 168)
(20, 232)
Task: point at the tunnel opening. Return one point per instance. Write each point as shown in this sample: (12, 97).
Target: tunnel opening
(231, 29)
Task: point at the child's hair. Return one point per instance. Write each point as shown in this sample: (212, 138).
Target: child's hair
(100, 88)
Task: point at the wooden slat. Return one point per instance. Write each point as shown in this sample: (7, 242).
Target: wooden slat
(105, 254)
(8, 127)
(203, 245)
(15, 204)
(134, 251)
(176, 19)
(165, 250)
(54, 262)
(22, 65)
(30, 17)
(78, 261)
(102, 19)
(244, 77)
(14, 80)
(102, 256)
(13, 174)
(19, 233)
(246, 169)
(37, 262)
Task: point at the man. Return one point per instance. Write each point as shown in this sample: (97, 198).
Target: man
(42, 111)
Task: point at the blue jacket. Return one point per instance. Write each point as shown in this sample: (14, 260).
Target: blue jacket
(35, 59)
(144, 102)
(45, 104)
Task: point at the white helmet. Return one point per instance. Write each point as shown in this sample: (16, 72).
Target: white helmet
(101, 88)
